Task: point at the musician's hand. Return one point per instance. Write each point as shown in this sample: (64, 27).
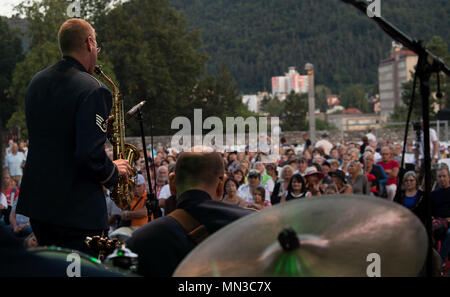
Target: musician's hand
(124, 167)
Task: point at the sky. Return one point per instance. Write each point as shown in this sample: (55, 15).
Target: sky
(6, 7)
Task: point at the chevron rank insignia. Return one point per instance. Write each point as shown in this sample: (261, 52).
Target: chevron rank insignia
(101, 123)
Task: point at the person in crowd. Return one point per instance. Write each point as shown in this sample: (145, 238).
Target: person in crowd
(11, 192)
(342, 151)
(391, 168)
(441, 207)
(230, 193)
(325, 144)
(15, 162)
(113, 211)
(334, 164)
(199, 179)
(137, 215)
(354, 152)
(326, 168)
(356, 179)
(340, 182)
(331, 190)
(307, 141)
(254, 180)
(378, 172)
(19, 224)
(232, 162)
(397, 153)
(23, 148)
(313, 181)
(302, 165)
(334, 153)
(411, 196)
(258, 197)
(296, 189)
(365, 143)
(162, 179)
(239, 176)
(345, 161)
(370, 136)
(434, 145)
(271, 170)
(265, 178)
(282, 184)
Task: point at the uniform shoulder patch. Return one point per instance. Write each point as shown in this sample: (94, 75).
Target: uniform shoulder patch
(101, 123)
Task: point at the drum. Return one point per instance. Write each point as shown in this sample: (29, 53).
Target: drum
(78, 263)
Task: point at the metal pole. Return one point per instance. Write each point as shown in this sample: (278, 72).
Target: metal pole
(311, 102)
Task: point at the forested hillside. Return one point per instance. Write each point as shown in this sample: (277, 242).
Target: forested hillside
(259, 39)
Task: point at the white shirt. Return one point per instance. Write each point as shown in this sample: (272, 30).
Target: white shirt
(325, 145)
(3, 201)
(244, 193)
(377, 157)
(165, 192)
(433, 137)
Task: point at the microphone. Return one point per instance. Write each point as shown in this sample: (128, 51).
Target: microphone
(136, 108)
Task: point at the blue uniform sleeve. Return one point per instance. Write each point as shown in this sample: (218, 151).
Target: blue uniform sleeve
(90, 154)
(383, 181)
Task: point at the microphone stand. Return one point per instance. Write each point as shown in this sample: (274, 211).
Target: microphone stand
(152, 203)
(427, 64)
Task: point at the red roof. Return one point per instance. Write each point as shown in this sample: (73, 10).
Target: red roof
(352, 111)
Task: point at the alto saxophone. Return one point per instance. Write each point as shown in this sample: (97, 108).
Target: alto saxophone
(122, 192)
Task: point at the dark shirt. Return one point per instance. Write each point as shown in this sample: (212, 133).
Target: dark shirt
(162, 244)
(66, 110)
(441, 203)
(380, 176)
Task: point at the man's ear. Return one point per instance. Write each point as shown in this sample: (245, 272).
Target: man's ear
(172, 185)
(220, 189)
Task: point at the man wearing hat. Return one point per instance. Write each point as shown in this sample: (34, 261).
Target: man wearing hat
(136, 216)
(325, 144)
(254, 180)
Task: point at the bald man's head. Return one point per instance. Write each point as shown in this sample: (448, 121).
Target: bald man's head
(73, 34)
(199, 171)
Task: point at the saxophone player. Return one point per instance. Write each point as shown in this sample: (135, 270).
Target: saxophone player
(66, 114)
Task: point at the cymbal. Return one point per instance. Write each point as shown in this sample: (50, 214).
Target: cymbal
(335, 235)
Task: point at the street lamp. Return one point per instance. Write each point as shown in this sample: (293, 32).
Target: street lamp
(311, 102)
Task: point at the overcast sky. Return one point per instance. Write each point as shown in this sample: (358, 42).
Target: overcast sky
(6, 7)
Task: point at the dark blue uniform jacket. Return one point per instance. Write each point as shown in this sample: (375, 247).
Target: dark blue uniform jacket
(66, 111)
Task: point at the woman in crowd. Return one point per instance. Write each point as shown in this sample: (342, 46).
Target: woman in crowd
(230, 193)
(339, 181)
(313, 181)
(411, 196)
(357, 179)
(239, 177)
(296, 189)
(282, 184)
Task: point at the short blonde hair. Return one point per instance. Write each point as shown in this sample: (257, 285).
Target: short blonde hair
(72, 34)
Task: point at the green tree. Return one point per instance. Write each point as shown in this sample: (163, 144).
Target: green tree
(321, 93)
(44, 19)
(10, 55)
(354, 96)
(155, 58)
(293, 117)
(274, 107)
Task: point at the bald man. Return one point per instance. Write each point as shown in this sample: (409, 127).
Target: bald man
(163, 243)
(66, 110)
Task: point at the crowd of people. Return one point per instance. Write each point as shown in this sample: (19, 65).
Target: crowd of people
(369, 167)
